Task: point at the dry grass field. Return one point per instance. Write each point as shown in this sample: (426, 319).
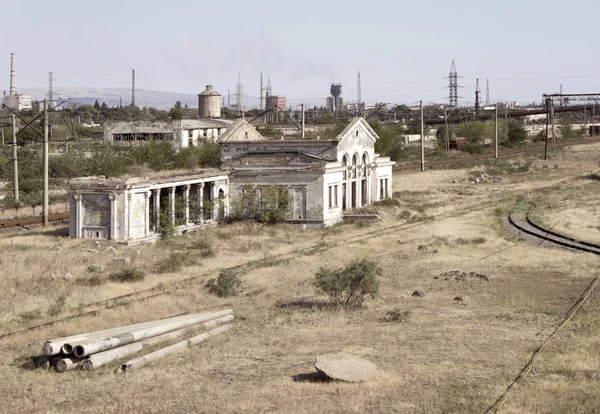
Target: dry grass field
(441, 355)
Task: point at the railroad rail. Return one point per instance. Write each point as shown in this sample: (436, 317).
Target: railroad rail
(27, 223)
(552, 237)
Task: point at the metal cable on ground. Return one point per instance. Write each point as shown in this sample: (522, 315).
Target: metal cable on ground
(527, 368)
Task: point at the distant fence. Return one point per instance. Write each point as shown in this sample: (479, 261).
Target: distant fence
(29, 211)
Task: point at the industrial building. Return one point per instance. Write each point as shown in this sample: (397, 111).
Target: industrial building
(13, 100)
(322, 179)
(335, 102)
(276, 102)
(182, 133)
(209, 103)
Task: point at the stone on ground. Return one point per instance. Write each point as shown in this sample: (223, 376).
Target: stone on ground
(346, 367)
(418, 294)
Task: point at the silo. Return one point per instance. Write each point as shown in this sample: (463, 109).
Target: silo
(209, 103)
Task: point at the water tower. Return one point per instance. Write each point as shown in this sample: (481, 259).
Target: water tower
(209, 103)
(336, 92)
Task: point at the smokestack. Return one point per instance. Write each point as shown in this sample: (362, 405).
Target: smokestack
(13, 91)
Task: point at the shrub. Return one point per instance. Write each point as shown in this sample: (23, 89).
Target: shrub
(348, 287)
(58, 306)
(228, 283)
(127, 275)
(397, 315)
(173, 263)
(203, 247)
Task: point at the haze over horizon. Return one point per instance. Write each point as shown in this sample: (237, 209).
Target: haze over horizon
(403, 51)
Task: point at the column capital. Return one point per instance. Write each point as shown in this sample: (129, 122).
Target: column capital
(77, 197)
(112, 196)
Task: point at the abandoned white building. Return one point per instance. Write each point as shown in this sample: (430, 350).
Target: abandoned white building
(322, 179)
(182, 133)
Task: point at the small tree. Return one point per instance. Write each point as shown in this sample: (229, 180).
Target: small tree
(228, 283)
(348, 287)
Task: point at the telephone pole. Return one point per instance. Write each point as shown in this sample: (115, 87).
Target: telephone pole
(447, 135)
(422, 139)
(496, 133)
(15, 162)
(45, 168)
(302, 121)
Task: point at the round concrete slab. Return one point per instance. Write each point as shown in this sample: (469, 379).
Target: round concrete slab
(346, 367)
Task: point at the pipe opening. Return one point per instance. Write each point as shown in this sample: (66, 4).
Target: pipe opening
(67, 349)
(79, 351)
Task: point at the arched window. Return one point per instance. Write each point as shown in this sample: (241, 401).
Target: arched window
(246, 135)
(354, 165)
(345, 165)
(365, 162)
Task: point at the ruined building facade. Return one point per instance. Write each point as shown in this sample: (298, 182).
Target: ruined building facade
(322, 179)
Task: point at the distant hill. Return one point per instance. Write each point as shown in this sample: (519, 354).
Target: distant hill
(143, 97)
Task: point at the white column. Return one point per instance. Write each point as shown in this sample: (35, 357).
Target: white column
(226, 201)
(359, 188)
(113, 216)
(201, 202)
(369, 185)
(156, 212)
(78, 215)
(146, 213)
(215, 201)
(186, 199)
(129, 213)
(172, 204)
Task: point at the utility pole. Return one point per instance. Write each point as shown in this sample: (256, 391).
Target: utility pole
(15, 162)
(552, 119)
(302, 132)
(447, 135)
(594, 122)
(422, 139)
(546, 140)
(496, 134)
(45, 167)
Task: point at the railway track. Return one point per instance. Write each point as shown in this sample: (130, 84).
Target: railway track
(530, 228)
(28, 223)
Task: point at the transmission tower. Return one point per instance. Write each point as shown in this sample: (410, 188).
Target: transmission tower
(487, 93)
(358, 92)
(453, 87)
(477, 91)
(238, 93)
(262, 97)
(51, 86)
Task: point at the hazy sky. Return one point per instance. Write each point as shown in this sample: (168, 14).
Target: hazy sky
(403, 49)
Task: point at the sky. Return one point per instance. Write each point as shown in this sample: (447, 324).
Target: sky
(402, 49)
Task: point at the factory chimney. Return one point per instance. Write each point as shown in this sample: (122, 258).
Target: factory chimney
(13, 91)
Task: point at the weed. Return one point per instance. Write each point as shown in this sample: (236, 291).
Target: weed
(228, 283)
(499, 211)
(95, 280)
(388, 202)
(203, 247)
(127, 275)
(348, 287)
(477, 240)
(174, 262)
(58, 306)
(268, 262)
(31, 315)
(397, 315)
(421, 218)
(321, 246)
(405, 214)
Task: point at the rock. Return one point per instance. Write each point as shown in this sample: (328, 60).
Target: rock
(460, 298)
(477, 180)
(422, 247)
(134, 252)
(455, 181)
(418, 294)
(122, 260)
(95, 268)
(479, 276)
(67, 276)
(346, 367)
(110, 249)
(52, 276)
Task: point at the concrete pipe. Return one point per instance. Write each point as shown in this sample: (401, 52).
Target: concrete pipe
(55, 346)
(104, 343)
(144, 360)
(102, 358)
(67, 364)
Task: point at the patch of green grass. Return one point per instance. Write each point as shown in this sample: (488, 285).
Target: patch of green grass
(477, 240)
(268, 262)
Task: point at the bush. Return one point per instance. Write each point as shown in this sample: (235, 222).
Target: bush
(174, 262)
(127, 275)
(349, 287)
(228, 283)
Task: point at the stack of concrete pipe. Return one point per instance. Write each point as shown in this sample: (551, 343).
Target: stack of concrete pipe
(95, 349)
